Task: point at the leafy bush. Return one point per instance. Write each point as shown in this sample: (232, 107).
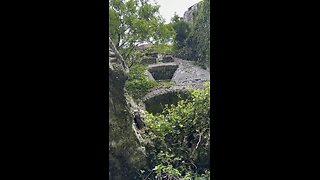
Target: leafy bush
(179, 138)
(133, 22)
(138, 84)
(134, 58)
(192, 40)
(164, 49)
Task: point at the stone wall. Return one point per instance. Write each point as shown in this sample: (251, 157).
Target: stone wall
(125, 156)
(156, 103)
(163, 71)
(188, 15)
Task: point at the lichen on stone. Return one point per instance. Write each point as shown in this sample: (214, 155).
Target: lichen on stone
(125, 155)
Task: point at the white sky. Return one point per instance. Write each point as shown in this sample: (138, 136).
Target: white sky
(168, 7)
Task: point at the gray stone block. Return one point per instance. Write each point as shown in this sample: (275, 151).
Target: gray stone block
(167, 58)
(163, 71)
(150, 60)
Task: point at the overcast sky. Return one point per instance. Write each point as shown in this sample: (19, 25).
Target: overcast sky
(168, 7)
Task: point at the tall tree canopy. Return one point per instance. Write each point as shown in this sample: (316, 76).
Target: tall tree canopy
(192, 40)
(200, 34)
(182, 29)
(136, 21)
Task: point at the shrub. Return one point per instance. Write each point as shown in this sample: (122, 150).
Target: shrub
(180, 138)
(138, 84)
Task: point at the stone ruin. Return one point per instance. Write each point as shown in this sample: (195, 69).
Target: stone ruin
(167, 58)
(182, 73)
(163, 71)
(125, 149)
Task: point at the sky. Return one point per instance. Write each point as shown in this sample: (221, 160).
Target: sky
(168, 7)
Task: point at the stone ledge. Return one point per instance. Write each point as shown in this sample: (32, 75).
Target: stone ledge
(163, 71)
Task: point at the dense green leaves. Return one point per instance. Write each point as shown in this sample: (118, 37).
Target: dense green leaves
(138, 84)
(180, 137)
(164, 49)
(182, 29)
(132, 22)
(192, 40)
(200, 34)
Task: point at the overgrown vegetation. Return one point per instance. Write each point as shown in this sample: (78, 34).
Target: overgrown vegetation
(192, 40)
(132, 22)
(138, 84)
(164, 49)
(179, 139)
(138, 55)
(182, 29)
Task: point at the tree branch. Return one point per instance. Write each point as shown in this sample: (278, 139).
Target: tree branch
(199, 141)
(148, 175)
(200, 137)
(118, 42)
(127, 55)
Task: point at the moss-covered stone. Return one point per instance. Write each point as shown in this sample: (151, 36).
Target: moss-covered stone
(163, 71)
(149, 60)
(157, 103)
(167, 58)
(124, 154)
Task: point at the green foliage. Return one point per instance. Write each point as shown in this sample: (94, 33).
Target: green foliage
(151, 49)
(182, 29)
(164, 49)
(134, 58)
(159, 49)
(192, 40)
(201, 64)
(132, 22)
(138, 84)
(180, 138)
(165, 83)
(166, 171)
(176, 18)
(199, 38)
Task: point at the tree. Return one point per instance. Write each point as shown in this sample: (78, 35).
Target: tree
(132, 22)
(199, 37)
(176, 18)
(192, 40)
(182, 30)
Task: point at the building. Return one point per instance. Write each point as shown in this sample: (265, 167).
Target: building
(188, 15)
